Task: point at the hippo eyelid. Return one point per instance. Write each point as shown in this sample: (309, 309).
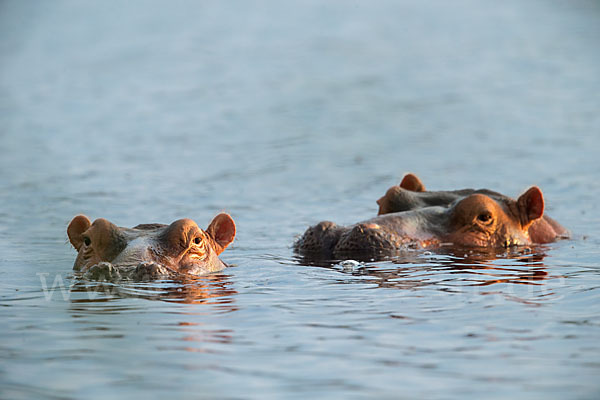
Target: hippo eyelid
(87, 241)
(485, 217)
(198, 240)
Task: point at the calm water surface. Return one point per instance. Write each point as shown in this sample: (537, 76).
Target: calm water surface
(284, 114)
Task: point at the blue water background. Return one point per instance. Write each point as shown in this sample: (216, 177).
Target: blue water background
(285, 113)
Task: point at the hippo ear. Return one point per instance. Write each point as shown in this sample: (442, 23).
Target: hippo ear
(412, 183)
(384, 201)
(381, 202)
(531, 205)
(77, 226)
(222, 230)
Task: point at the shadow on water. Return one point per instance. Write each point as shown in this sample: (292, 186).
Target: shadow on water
(214, 289)
(457, 267)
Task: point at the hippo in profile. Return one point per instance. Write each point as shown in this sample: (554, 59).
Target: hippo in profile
(478, 219)
(410, 194)
(149, 250)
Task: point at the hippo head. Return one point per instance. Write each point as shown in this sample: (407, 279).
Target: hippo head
(411, 194)
(475, 220)
(181, 247)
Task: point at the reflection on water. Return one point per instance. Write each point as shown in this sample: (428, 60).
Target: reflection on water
(456, 267)
(214, 289)
(91, 300)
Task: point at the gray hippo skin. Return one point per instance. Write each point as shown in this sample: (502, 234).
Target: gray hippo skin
(148, 251)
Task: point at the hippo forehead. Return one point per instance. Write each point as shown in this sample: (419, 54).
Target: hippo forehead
(146, 241)
(398, 199)
(449, 198)
(162, 238)
(139, 248)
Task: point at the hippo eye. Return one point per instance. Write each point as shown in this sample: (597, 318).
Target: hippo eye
(198, 240)
(87, 241)
(485, 217)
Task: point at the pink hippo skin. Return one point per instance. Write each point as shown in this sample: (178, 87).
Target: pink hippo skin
(479, 219)
(149, 250)
(411, 195)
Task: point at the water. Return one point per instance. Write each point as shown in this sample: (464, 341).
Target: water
(284, 114)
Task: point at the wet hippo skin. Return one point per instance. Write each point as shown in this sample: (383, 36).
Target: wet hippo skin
(149, 250)
(411, 194)
(468, 218)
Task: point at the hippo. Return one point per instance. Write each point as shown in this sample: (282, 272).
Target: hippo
(149, 251)
(411, 194)
(476, 220)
